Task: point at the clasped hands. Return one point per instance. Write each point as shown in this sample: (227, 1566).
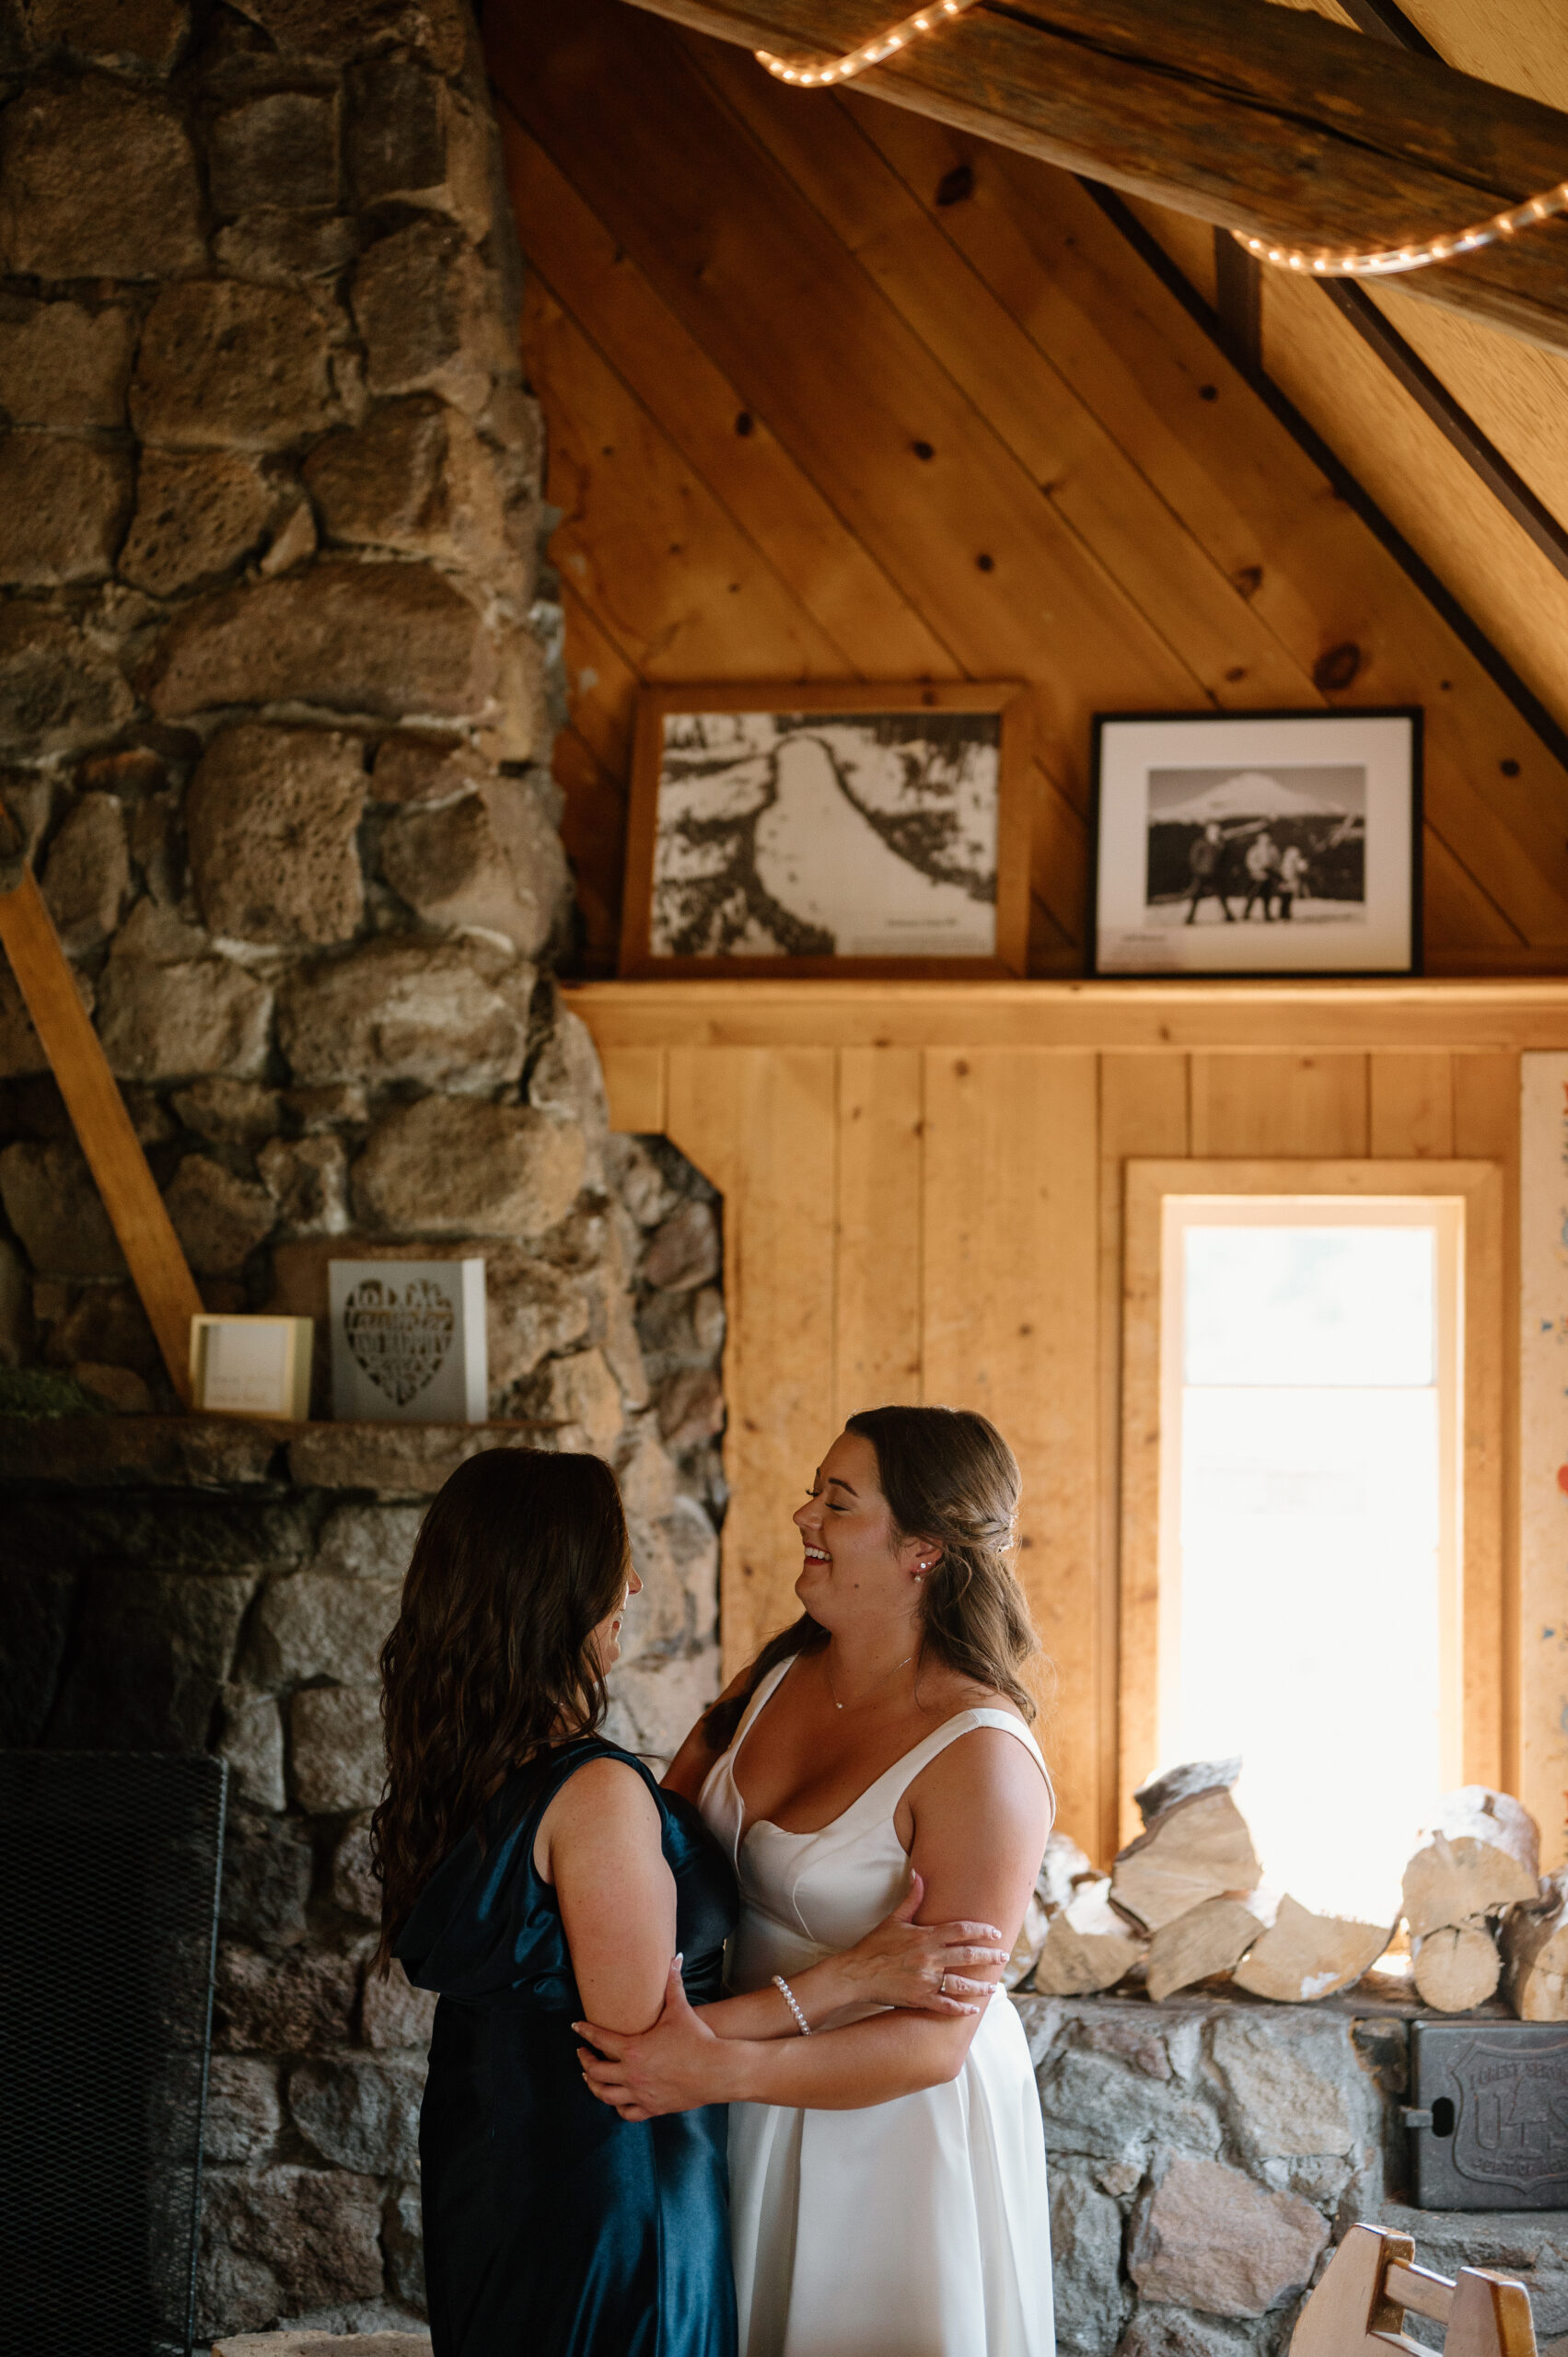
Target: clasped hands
(677, 2063)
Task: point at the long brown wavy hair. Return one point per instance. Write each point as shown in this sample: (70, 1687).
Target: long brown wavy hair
(519, 1560)
(947, 1475)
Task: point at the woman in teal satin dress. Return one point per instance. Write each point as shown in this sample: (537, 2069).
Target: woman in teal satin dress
(524, 1860)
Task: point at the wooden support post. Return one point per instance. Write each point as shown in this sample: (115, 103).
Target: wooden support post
(158, 1266)
(1238, 299)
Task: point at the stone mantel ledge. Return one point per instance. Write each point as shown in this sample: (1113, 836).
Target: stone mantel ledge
(322, 2344)
(394, 1461)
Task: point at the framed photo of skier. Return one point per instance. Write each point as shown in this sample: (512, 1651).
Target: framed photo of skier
(1256, 843)
(875, 831)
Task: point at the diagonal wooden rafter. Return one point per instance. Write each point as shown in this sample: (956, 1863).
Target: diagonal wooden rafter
(1266, 118)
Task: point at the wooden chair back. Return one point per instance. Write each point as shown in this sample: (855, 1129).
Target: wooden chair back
(1358, 2309)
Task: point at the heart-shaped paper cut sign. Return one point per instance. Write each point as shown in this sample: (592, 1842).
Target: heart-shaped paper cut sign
(399, 1340)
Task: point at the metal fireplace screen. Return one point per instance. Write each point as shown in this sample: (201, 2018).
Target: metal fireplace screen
(1489, 2115)
(109, 1863)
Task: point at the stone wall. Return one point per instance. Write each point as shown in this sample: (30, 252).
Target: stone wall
(273, 698)
(275, 706)
(173, 1583)
(1206, 2153)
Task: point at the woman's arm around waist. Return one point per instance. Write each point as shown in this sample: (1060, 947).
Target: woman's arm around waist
(980, 1812)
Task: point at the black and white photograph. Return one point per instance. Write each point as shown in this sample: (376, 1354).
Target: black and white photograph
(802, 838)
(1295, 854)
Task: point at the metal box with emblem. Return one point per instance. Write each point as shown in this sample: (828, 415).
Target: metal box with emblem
(1489, 2115)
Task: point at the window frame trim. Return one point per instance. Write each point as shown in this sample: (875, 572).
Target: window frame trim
(1484, 1664)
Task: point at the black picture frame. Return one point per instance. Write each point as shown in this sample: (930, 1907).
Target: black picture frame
(1126, 940)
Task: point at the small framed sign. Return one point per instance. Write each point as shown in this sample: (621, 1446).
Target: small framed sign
(861, 831)
(408, 1341)
(251, 1366)
(1255, 843)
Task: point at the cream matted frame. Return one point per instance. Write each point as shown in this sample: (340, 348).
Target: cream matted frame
(1476, 1661)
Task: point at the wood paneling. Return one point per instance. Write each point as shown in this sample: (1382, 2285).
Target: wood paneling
(1010, 1314)
(1143, 1115)
(834, 390)
(1275, 1105)
(1486, 1124)
(761, 1124)
(946, 1222)
(1417, 478)
(1410, 1104)
(877, 1332)
(634, 1086)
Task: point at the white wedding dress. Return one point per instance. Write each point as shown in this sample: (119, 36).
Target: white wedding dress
(914, 2228)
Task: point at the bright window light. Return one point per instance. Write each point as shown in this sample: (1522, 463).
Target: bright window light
(1310, 1524)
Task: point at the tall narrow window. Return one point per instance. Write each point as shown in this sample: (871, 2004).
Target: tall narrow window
(1309, 1522)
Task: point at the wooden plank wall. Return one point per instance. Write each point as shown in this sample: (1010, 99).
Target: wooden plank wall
(944, 1223)
(833, 392)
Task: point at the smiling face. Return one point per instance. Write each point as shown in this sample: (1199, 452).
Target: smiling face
(607, 1635)
(858, 1571)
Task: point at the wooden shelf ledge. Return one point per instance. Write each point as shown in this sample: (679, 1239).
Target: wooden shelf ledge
(1244, 1016)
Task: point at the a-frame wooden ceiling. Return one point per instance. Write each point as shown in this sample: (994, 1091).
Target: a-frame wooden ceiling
(1517, 393)
(835, 391)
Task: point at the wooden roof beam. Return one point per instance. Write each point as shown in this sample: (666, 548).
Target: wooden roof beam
(1271, 120)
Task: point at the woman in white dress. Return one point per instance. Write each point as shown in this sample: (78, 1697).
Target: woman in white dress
(887, 2167)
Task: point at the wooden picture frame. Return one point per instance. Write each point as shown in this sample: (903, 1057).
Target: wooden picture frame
(1333, 797)
(695, 875)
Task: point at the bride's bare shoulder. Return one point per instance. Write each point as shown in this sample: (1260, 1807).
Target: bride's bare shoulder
(943, 1691)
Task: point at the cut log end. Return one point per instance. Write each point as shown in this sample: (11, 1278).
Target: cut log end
(1076, 1964)
(1483, 1855)
(1195, 1849)
(1088, 1946)
(1306, 1956)
(1209, 1938)
(1534, 1939)
(1457, 1966)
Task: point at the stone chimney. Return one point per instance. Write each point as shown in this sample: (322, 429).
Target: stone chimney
(276, 694)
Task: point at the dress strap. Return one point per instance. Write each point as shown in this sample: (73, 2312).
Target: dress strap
(894, 1781)
(759, 1701)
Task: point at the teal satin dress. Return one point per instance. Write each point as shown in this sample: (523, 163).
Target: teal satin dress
(552, 2227)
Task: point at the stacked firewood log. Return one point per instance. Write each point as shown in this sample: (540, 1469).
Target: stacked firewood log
(1183, 1903)
(1482, 1855)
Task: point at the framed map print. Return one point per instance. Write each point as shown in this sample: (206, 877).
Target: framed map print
(808, 831)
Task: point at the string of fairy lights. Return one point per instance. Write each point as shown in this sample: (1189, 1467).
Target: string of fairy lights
(809, 75)
(1322, 262)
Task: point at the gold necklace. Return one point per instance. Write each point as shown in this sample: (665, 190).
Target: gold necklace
(871, 1689)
